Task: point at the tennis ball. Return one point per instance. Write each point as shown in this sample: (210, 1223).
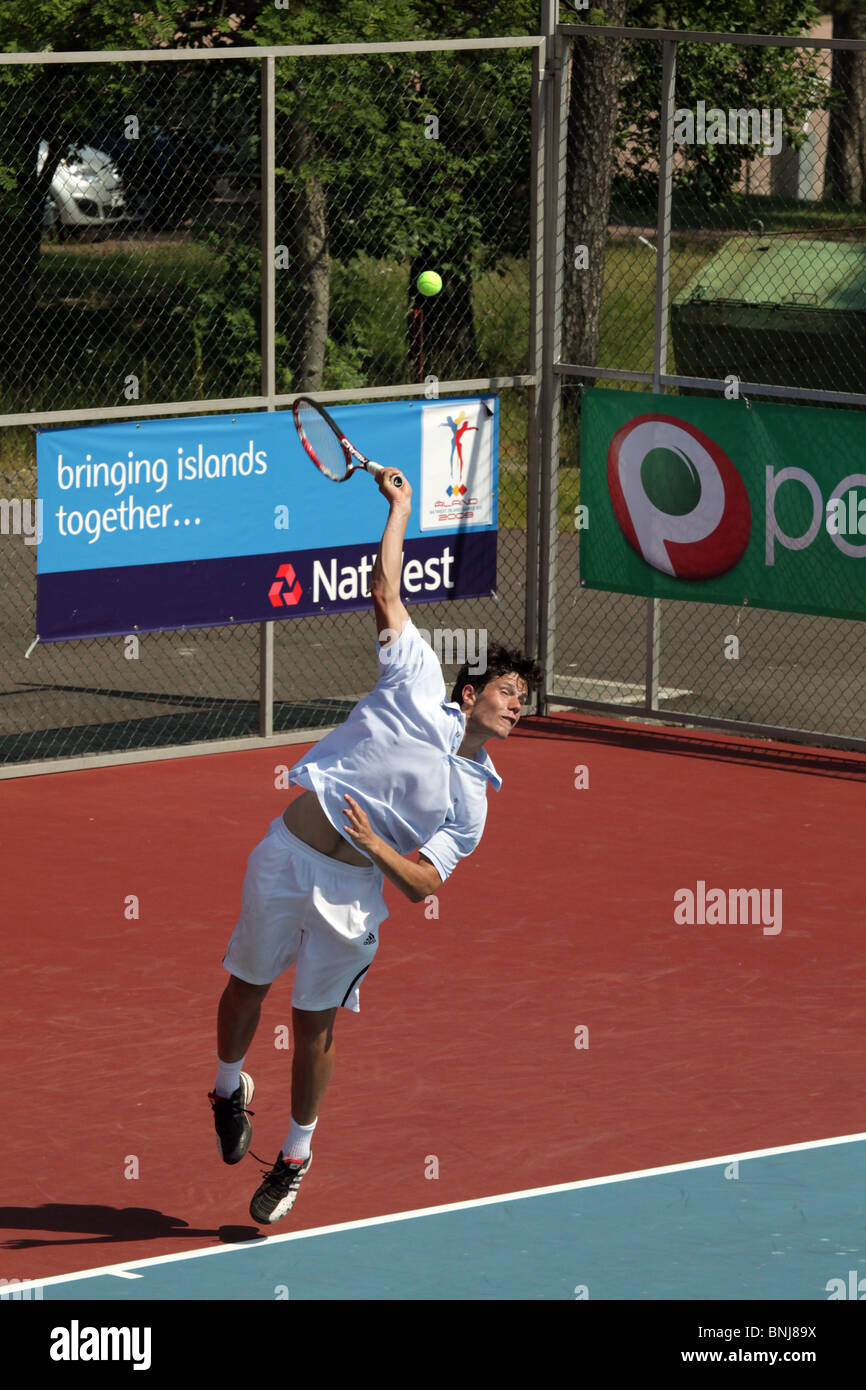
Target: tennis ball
(429, 282)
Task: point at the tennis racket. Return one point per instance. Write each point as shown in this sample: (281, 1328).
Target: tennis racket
(327, 446)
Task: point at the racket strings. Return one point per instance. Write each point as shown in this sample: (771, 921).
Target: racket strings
(323, 442)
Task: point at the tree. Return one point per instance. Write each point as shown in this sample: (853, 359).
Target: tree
(356, 171)
(331, 145)
(43, 103)
(727, 76)
(846, 140)
(596, 67)
(470, 190)
(421, 160)
(60, 104)
(719, 73)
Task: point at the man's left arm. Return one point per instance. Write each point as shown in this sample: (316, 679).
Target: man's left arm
(417, 881)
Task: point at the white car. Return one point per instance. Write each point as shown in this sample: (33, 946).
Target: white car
(86, 190)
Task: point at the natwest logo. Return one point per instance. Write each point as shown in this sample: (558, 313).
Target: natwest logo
(333, 582)
(679, 501)
(291, 594)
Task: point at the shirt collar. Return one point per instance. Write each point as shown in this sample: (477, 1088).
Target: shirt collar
(482, 761)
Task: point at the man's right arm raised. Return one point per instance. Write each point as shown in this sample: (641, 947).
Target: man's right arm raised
(391, 613)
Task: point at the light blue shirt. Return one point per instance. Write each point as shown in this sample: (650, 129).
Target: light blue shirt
(396, 754)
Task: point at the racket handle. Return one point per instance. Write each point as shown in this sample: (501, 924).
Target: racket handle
(377, 470)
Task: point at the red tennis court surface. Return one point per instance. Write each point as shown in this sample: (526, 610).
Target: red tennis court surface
(703, 1040)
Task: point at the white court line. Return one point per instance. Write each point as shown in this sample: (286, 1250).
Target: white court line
(123, 1270)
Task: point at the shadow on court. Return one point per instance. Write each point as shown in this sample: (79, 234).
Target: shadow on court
(97, 1225)
(715, 747)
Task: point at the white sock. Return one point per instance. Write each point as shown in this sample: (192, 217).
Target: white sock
(297, 1146)
(228, 1077)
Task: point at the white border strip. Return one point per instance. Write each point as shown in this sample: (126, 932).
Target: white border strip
(307, 50)
(123, 1270)
(86, 762)
(141, 411)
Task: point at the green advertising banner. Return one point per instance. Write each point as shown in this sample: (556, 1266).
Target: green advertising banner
(724, 501)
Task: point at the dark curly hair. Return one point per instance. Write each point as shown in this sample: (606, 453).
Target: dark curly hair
(501, 661)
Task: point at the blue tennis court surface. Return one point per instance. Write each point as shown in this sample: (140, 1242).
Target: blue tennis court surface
(783, 1224)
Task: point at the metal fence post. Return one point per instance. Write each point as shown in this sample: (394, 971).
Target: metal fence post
(555, 131)
(535, 403)
(268, 348)
(660, 336)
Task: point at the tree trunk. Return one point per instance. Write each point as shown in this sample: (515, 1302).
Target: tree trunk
(312, 256)
(40, 117)
(21, 240)
(592, 120)
(846, 140)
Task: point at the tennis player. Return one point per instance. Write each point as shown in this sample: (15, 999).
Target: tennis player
(406, 771)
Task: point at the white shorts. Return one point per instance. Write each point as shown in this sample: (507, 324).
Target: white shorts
(305, 908)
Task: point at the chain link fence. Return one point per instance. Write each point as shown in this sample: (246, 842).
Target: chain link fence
(764, 280)
(133, 228)
(134, 225)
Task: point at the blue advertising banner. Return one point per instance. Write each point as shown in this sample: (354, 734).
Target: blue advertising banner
(199, 522)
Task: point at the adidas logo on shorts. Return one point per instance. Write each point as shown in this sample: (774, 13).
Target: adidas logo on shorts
(369, 939)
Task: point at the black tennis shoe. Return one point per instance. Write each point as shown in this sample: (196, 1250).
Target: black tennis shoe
(276, 1196)
(233, 1129)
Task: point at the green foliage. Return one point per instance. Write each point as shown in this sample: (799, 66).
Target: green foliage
(39, 26)
(723, 75)
(459, 201)
(394, 194)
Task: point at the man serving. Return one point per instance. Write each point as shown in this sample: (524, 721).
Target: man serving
(407, 771)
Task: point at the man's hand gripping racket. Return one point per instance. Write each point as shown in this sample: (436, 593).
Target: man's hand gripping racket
(332, 452)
